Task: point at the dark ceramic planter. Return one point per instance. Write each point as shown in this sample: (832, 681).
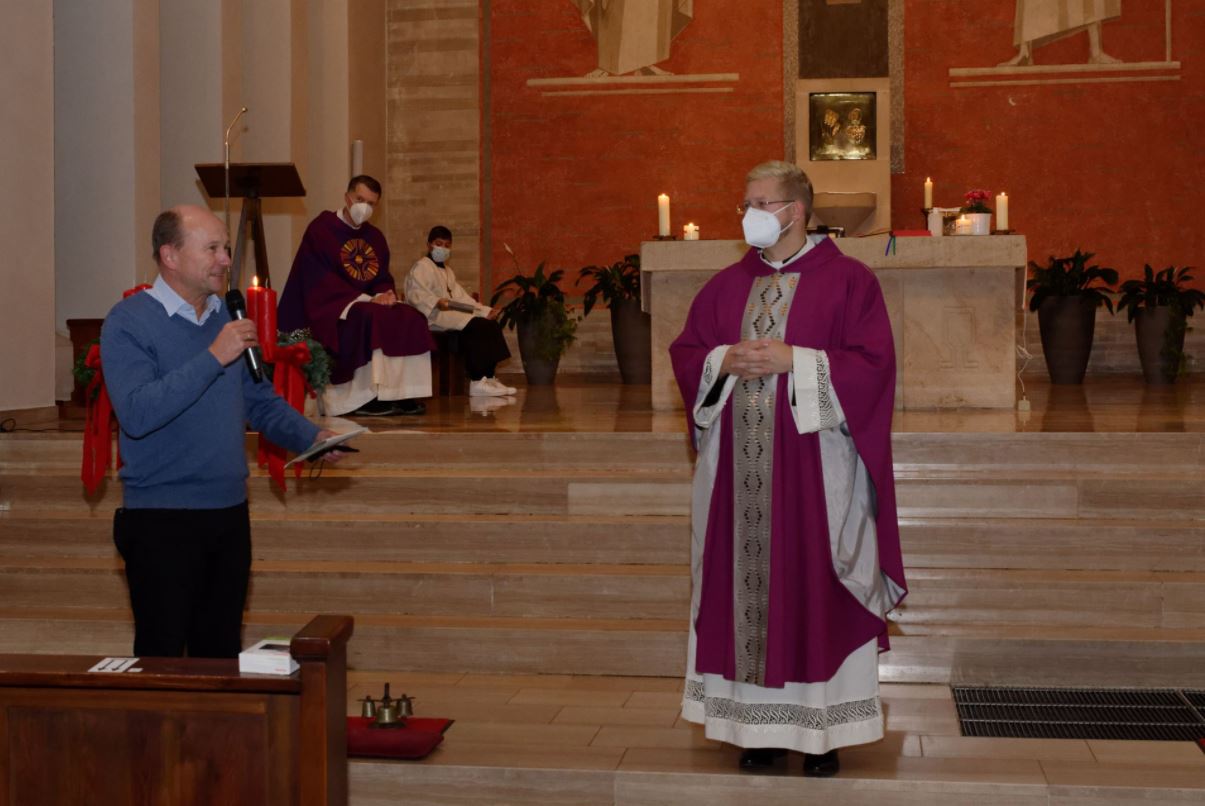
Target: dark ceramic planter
(1149, 327)
(1067, 325)
(631, 333)
(539, 371)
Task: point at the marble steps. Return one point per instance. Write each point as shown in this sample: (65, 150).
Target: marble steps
(1163, 493)
(1138, 452)
(62, 452)
(363, 588)
(629, 647)
(929, 542)
(397, 537)
(589, 776)
(543, 491)
(1157, 604)
(657, 648)
(1153, 544)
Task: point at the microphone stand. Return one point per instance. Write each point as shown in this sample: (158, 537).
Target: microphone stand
(226, 149)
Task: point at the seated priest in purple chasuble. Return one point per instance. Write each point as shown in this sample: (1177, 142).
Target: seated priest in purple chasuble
(340, 289)
(786, 366)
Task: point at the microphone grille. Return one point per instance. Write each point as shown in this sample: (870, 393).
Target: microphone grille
(234, 300)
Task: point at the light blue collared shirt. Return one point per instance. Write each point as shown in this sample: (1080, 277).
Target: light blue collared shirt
(174, 304)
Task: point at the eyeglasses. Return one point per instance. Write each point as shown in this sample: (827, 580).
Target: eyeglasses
(761, 204)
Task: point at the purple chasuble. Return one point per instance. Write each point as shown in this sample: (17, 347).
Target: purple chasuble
(814, 622)
(335, 264)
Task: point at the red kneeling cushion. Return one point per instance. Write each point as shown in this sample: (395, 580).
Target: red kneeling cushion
(415, 740)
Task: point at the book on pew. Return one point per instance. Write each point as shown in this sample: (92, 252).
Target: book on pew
(269, 656)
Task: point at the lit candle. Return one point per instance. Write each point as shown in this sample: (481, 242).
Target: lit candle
(928, 193)
(261, 309)
(690, 233)
(1002, 211)
(663, 215)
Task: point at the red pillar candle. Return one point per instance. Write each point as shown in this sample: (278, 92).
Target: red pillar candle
(261, 308)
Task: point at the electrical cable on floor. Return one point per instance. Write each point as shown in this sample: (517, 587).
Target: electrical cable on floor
(1025, 356)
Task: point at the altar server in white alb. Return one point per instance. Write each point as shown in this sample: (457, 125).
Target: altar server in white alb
(433, 290)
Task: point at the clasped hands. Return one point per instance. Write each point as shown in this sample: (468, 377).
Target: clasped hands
(386, 298)
(758, 357)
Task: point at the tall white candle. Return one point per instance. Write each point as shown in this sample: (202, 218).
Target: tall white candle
(1002, 211)
(928, 193)
(663, 215)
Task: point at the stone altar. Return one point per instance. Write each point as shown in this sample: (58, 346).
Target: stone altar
(952, 302)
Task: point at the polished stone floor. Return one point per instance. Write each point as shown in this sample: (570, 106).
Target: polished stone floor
(1103, 404)
(574, 724)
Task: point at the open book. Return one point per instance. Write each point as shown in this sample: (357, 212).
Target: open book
(325, 445)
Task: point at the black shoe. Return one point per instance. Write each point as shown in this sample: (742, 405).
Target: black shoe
(824, 765)
(409, 407)
(759, 758)
(376, 408)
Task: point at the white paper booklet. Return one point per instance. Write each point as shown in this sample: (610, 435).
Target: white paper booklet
(269, 656)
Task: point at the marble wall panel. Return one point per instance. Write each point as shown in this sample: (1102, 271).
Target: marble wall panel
(433, 140)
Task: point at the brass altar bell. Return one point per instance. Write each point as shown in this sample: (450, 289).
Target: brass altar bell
(405, 706)
(368, 707)
(387, 712)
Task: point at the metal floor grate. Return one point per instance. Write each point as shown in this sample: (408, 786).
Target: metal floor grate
(1077, 713)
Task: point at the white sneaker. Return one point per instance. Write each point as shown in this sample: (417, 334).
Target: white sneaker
(483, 388)
(497, 384)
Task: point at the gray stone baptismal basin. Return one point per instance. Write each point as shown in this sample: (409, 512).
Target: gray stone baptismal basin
(848, 210)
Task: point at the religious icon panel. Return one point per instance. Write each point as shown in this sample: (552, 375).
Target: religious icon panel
(842, 126)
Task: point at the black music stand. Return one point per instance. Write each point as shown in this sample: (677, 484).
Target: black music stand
(252, 181)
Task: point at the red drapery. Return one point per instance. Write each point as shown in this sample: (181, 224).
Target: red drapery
(99, 420)
(290, 383)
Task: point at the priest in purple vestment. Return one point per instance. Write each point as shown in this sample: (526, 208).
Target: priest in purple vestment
(340, 288)
(787, 369)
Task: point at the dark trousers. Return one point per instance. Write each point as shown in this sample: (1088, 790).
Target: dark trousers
(482, 345)
(187, 570)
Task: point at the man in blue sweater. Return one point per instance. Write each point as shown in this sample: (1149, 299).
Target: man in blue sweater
(173, 366)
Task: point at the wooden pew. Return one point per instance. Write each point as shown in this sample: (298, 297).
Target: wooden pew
(180, 731)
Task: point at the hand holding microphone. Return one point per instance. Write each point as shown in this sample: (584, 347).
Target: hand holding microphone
(239, 336)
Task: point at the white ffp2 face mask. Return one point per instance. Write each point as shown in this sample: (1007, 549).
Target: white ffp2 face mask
(440, 253)
(761, 227)
(360, 212)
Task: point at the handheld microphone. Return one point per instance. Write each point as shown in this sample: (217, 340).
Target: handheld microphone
(238, 310)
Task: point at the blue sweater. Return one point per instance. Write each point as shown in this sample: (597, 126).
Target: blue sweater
(183, 416)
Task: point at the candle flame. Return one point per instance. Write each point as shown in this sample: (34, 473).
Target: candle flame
(255, 281)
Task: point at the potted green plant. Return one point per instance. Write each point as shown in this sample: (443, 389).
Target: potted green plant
(618, 285)
(1066, 294)
(546, 326)
(1159, 304)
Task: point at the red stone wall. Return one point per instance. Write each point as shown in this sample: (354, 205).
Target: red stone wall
(574, 179)
(1114, 168)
